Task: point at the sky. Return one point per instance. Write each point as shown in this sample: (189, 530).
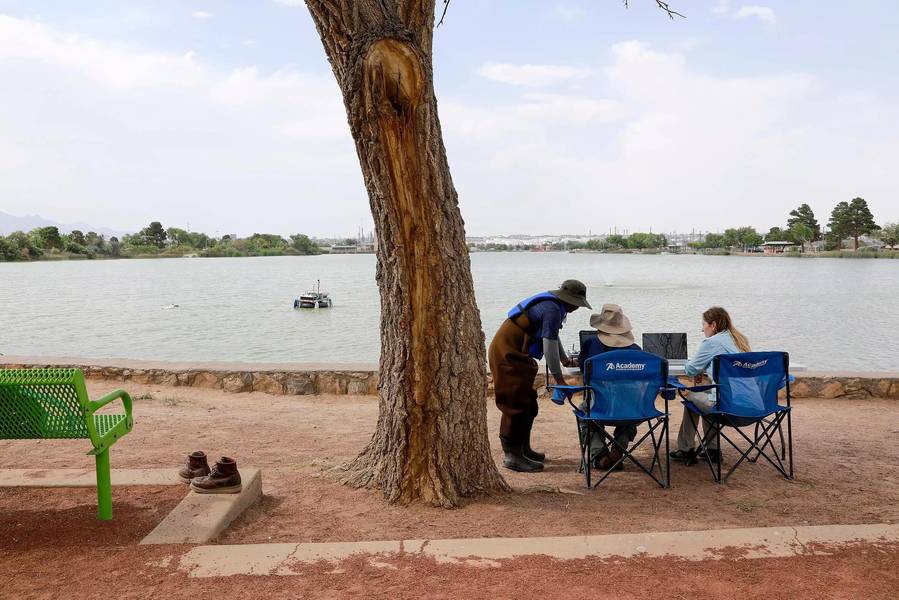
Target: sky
(558, 116)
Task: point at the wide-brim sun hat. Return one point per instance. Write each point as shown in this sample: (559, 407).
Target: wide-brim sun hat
(573, 292)
(612, 326)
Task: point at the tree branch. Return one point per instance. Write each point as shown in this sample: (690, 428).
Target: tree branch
(443, 15)
(663, 5)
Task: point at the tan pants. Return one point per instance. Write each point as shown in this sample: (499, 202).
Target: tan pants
(686, 437)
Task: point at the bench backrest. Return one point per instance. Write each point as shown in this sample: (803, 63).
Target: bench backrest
(43, 404)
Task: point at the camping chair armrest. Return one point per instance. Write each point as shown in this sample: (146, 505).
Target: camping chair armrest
(565, 392)
(94, 406)
(668, 392)
(783, 382)
(683, 389)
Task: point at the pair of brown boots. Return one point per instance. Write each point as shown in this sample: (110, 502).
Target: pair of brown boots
(222, 478)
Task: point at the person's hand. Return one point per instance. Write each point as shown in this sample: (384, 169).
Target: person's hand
(700, 379)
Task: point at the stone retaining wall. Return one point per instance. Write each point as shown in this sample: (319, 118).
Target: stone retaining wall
(304, 379)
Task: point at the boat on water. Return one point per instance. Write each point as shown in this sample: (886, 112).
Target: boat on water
(314, 299)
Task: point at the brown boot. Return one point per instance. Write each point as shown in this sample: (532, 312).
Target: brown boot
(196, 466)
(607, 460)
(222, 479)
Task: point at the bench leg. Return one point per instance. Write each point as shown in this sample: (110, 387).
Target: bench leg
(104, 487)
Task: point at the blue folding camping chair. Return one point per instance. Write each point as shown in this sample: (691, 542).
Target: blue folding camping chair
(620, 388)
(747, 386)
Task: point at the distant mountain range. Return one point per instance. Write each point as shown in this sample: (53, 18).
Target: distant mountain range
(10, 223)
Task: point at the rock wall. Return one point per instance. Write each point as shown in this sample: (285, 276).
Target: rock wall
(300, 380)
(291, 382)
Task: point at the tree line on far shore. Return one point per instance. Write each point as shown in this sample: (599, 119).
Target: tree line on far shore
(47, 243)
(848, 220)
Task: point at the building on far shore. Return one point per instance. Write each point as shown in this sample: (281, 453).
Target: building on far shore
(778, 247)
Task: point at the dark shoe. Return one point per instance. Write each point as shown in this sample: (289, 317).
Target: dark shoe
(606, 461)
(530, 453)
(222, 479)
(714, 455)
(515, 460)
(196, 466)
(688, 457)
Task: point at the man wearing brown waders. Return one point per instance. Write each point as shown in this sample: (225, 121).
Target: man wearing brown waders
(530, 332)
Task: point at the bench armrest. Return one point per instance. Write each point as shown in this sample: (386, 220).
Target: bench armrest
(95, 405)
(102, 443)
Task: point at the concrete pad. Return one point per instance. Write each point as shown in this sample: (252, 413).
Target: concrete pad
(85, 477)
(201, 517)
(749, 543)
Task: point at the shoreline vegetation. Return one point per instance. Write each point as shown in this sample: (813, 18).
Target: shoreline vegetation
(850, 233)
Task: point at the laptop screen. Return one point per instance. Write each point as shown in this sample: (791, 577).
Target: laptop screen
(666, 345)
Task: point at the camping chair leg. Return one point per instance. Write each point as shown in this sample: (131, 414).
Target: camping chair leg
(767, 435)
(790, 436)
(667, 456)
(704, 449)
(783, 447)
(104, 487)
(581, 441)
(718, 445)
(587, 453)
(755, 436)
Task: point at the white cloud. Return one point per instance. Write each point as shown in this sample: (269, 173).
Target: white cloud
(129, 133)
(202, 14)
(531, 75)
(653, 142)
(763, 13)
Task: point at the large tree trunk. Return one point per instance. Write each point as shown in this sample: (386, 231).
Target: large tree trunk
(431, 440)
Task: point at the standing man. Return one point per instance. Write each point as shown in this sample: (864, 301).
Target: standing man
(530, 332)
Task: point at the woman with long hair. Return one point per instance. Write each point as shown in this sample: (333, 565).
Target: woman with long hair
(721, 337)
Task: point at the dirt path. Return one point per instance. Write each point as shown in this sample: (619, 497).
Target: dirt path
(145, 572)
(845, 465)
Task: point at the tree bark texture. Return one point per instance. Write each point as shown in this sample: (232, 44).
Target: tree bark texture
(431, 441)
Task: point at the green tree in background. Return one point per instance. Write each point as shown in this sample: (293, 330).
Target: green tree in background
(852, 219)
(77, 237)
(804, 215)
(889, 234)
(714, 241)
(743, 237)
(24, 247)
(154, 234)
(801, 234)
(49, 237)
(776, 234)
(303, 245)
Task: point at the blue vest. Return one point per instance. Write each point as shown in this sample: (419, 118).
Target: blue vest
(535, 348)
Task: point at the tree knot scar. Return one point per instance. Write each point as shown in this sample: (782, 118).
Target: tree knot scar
(393, 77)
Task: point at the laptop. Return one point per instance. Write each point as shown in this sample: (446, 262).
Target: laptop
(672, 346)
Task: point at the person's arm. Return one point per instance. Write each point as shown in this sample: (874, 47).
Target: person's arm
(701, 360)
(551, 353)
(567, 361)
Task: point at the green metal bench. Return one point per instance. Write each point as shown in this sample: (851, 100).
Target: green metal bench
(52, 404)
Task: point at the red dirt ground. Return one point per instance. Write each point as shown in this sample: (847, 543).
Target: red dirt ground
(845, 464)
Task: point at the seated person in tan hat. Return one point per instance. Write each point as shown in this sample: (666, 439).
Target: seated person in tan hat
(613, 332)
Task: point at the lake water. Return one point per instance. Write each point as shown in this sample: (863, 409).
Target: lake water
(828, 313)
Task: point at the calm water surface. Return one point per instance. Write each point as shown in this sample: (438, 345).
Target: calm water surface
(828, 313)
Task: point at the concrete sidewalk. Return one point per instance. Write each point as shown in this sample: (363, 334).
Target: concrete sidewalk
(716, 544)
